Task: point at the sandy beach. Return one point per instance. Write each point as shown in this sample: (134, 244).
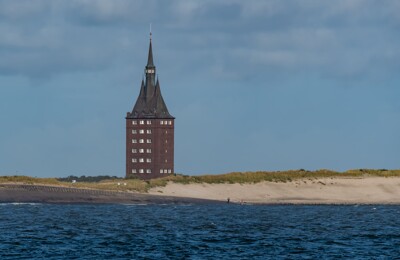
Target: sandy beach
(343, 190)
(365, 190)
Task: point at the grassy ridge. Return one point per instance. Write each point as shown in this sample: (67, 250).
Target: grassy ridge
(234, 177)
(131, 185)
(278, 176)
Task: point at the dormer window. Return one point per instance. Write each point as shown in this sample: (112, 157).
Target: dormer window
(149, 71)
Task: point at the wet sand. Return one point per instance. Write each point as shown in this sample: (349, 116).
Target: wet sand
(10, 193)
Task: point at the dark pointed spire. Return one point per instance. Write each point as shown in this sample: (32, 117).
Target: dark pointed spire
(150, 58)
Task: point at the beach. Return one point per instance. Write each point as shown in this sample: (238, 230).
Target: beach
(335, 190)
(28, 193)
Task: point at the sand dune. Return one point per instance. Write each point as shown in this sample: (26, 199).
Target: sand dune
(366, 190)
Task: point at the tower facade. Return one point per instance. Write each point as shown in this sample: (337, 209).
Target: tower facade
(149, 130)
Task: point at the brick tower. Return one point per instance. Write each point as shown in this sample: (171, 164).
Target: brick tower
(149, 130)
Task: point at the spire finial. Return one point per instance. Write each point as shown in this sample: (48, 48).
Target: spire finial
(150, 57)
(150, 32)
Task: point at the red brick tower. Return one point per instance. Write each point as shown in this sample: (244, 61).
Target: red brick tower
(149, 130)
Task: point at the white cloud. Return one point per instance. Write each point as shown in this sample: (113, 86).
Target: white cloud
(187, 8)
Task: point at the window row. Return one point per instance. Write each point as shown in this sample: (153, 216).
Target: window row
(141, 171)
(141, 150)
(166, 122)
(141, 131)
(165, 171)
(141, 160)
(141, 141)
(141, 122)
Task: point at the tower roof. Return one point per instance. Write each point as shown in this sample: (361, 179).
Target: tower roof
(150, 62)
(150, 103)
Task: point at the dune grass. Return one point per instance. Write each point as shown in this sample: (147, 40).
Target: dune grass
(28, 180)
(124, 185)
(137, 185)
(279, 176)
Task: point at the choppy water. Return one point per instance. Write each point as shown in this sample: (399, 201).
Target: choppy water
(42, 231)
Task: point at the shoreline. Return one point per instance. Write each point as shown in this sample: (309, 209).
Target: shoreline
(318, 191)
(30, 193)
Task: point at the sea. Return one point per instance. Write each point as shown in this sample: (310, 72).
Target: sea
(198, 231)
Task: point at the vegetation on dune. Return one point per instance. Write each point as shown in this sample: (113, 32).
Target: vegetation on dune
(28, 180)
(278, 176)
(98, 182)
(120, 184)
(84, 178)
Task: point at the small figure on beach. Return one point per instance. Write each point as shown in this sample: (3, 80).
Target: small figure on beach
(228, 200)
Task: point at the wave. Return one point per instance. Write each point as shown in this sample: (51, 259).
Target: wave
(134, 204)
(20, 203)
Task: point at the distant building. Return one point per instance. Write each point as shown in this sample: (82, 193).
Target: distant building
(149, 130)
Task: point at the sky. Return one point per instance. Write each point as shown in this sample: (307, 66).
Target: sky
(254, 85)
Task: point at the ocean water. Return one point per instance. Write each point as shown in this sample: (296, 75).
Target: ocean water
(51, 231)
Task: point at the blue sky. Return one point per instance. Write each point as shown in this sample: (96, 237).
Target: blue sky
(254, 85)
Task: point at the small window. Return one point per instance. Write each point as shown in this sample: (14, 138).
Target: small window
(148, 141)
(141, 160)
(148, 160)
(141, 150)
(134, 141)
(133, 170)
(149, 122)
(166, 160)
(169, 170)
(161, 170)
(149, 131)
(170, 122)
(148, 171)
(148, 150)
(134, 131)
(166, 151)
(166, 131)
(165, 122)
(134, 122)
(141, 122)
(141, 131)
(166, 141)
(161, 122)
(134, 151)
(165, 171)
(134, 160)
(141, 171)
(141, 141)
